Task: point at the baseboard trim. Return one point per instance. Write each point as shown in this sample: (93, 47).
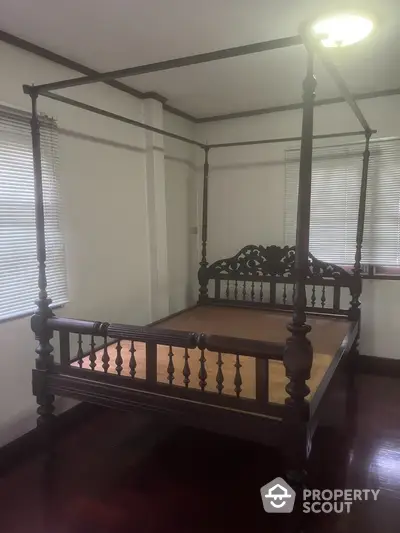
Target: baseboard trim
(30, 443)
(378, 366)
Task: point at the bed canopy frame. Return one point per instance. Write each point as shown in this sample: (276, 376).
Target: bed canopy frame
(298, 353)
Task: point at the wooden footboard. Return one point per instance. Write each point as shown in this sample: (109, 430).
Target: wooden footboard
(229, 384)
(175, 364)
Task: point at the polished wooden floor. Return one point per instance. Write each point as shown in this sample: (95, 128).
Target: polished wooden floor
(121, 473)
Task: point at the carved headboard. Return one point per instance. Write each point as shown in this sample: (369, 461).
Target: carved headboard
(265, 276)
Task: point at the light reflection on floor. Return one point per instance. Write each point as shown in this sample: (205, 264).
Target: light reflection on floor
(384, 468)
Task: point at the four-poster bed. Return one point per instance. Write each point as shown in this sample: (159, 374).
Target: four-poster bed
(225, 364)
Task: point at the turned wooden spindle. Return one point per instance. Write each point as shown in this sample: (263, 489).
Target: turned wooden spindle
(80, 355)
(238, 378)
(235, 294)
(171, 367)
(323, 296)
(92, 355)
(106, 357)
(313, 297)
(186, 368)
(220, 375)
(202, 371)
(132, 360)
(227, 289)
(118, 360)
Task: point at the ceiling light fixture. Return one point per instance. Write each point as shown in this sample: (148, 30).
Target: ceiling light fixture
(342, 29)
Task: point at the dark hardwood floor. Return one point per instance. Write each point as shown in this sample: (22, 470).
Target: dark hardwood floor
(120, 473)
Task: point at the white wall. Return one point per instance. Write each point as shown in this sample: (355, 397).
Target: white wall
(246, 196)
(103, 187)
(180, 171)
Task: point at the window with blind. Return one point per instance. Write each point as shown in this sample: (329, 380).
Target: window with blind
(18, 263)
(335, 195)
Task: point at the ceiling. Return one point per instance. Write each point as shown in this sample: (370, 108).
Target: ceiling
(122, 33)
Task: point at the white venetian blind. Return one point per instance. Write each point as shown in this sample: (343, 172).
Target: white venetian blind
(335, 196)
(382, 225)
(18, 263)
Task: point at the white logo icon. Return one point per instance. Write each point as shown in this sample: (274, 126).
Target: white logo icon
(278, 493)
(277, 496)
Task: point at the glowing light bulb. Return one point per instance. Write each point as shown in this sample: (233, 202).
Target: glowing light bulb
(342, 29)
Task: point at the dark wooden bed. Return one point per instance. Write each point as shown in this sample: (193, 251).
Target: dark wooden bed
(246, 322)
(219, 364)
(273, 329)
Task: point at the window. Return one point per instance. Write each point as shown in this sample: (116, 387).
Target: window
(335, 195)
(18, 263)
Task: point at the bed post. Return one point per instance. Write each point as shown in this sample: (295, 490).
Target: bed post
(202, 275)
(43, 334)
(354, 311)
(298, 353)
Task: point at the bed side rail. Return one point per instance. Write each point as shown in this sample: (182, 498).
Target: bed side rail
(265, 277)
